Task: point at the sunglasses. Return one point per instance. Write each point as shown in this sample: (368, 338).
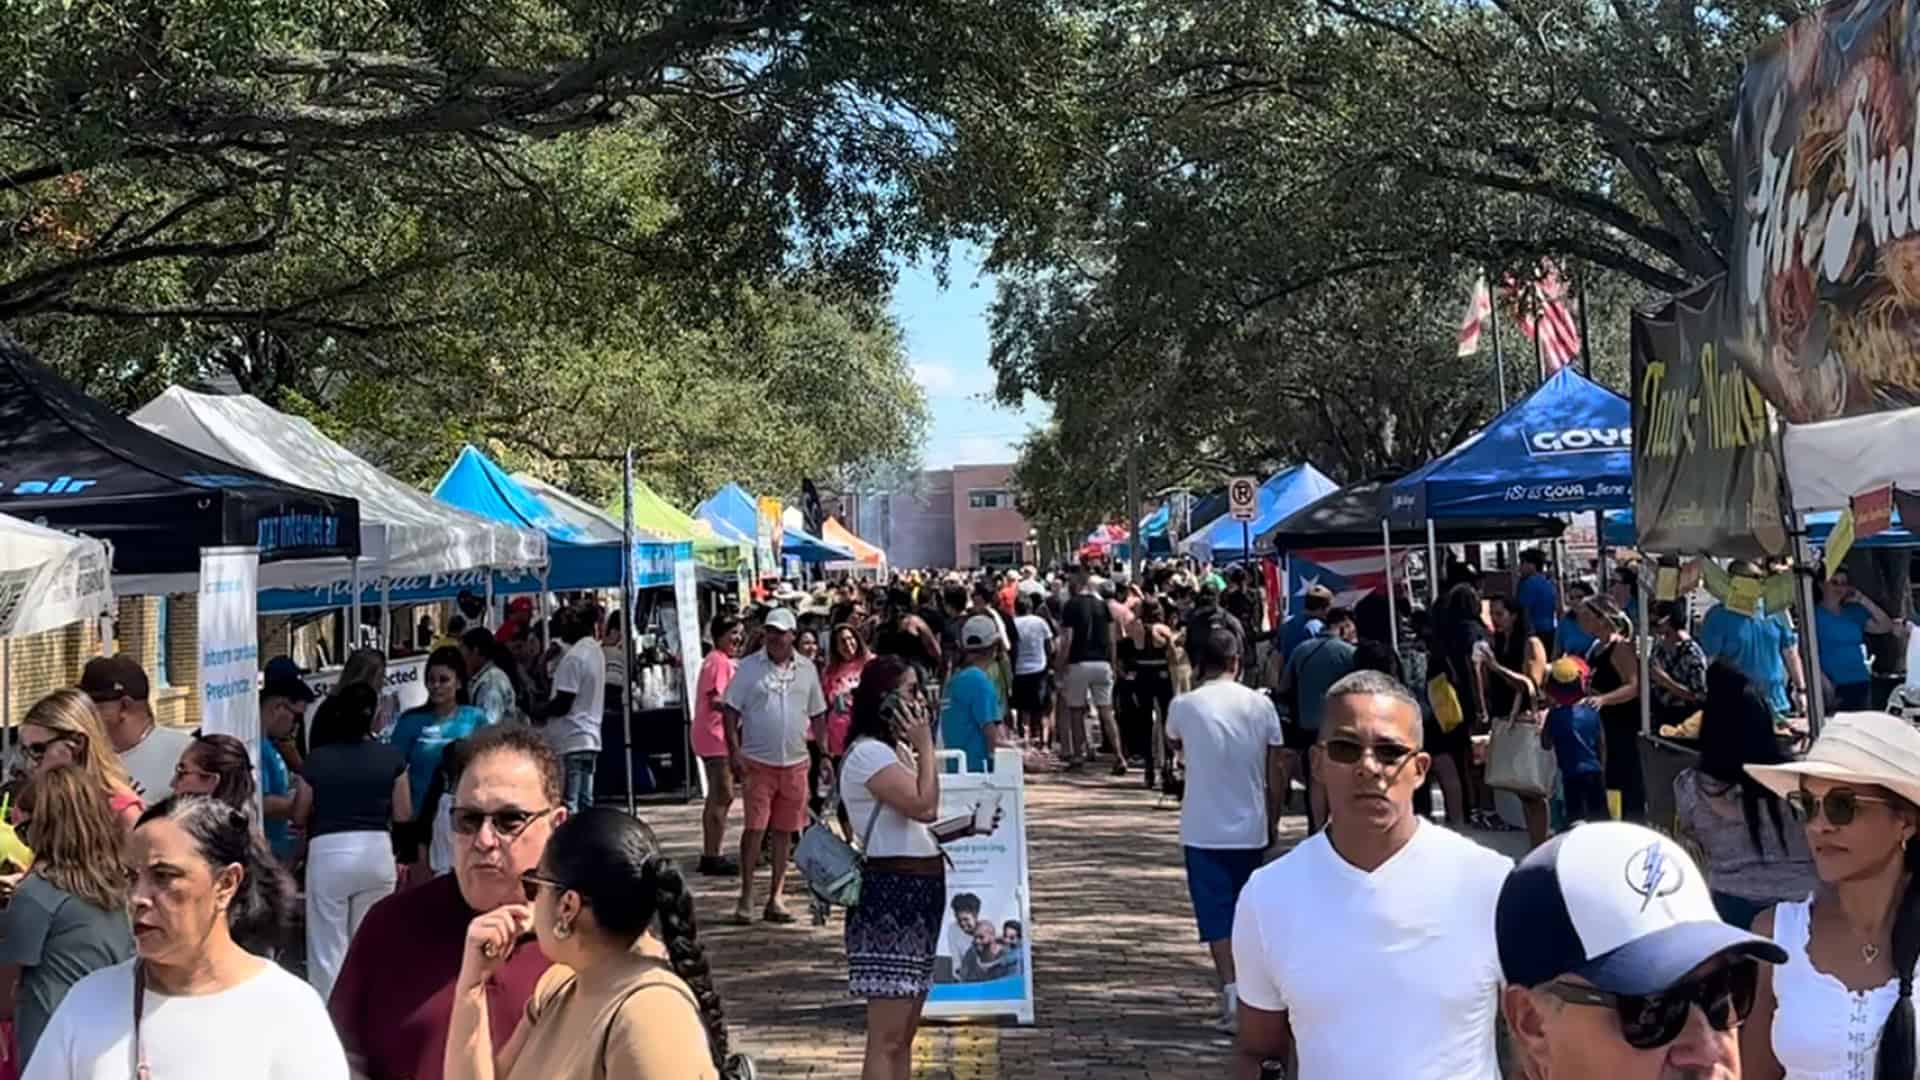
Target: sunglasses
(1650, 1021)
(36, 751)
(508, 823)
(531, 881)
(1350, 751)
(1840, 807)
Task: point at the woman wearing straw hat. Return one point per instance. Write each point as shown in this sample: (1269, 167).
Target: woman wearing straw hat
(1842, 1004)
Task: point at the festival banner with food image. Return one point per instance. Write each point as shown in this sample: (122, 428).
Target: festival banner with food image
(1823, 297)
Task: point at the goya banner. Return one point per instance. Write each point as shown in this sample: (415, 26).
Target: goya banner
(1706, 467)
(1823, 302)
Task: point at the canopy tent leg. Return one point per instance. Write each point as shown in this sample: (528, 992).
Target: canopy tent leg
(386, 616)
(1433, 566)
(626, 617)
(540, 611)
(352, 635)
(1816, 693)
(1600, 554)
(1643, 652)
(491, 620)
(1393, 601)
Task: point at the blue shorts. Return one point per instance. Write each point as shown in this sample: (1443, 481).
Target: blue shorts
(1215, 877)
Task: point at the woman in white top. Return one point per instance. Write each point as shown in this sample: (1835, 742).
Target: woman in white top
(192, 1001)
(891, 789)
(1841, 1007)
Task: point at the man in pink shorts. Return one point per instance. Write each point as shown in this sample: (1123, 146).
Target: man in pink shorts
(772, 706)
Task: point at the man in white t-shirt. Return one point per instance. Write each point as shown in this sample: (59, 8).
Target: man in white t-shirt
(1378, 911)
(773, 706)
(1030, 668)
(1230, 736)
(574, 715)
(149, 750)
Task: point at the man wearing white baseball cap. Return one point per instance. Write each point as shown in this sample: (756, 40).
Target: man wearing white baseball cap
(1617, 965)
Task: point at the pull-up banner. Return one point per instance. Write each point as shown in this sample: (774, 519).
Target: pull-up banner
(1823, 299)
(1706, 468)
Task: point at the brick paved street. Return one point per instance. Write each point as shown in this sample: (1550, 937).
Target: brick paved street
(1123, 988)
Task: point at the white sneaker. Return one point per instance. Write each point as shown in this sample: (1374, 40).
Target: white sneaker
(1229, 1019)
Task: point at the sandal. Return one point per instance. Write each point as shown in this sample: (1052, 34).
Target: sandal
(777, 915)
(741, 917)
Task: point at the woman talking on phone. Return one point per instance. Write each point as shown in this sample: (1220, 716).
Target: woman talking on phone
(891, 790)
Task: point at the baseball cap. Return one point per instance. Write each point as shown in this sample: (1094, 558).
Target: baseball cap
(281, 678)
(1618, 905)
(782, 619)
(109, 678)
(979, 632)
(1567, 680)
(1319, 592)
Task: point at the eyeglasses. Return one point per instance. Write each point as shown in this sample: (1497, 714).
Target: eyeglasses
(1840, 806)
(1649, 1021)
(183, 769)
(507, 824)
(1350, 751)
(36, 751)
(531, 881)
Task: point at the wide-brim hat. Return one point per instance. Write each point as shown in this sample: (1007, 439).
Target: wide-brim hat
(1859, 748)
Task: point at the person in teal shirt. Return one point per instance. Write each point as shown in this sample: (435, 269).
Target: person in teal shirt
(422, 734)
(970, 722)
(1841, 623)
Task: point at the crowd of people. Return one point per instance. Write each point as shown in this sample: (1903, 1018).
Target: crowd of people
(467, 912)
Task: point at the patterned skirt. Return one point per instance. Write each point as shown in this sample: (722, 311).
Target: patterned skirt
(892, 934)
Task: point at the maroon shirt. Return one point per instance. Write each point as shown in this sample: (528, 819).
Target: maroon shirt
(394, 997)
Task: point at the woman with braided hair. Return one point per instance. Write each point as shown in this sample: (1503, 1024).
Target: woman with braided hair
(620, 1002)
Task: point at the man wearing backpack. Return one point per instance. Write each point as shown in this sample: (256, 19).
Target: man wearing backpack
(1311, 669)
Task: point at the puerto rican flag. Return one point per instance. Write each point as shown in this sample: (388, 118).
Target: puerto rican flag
(1351, 573)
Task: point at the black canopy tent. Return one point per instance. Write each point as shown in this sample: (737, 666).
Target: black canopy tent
(1351, 517)
(71, 462)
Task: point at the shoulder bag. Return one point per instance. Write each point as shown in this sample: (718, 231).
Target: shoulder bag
(830, 866)
(1448, 712)
(1517, 762)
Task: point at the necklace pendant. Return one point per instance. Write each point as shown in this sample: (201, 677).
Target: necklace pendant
(1869, 953)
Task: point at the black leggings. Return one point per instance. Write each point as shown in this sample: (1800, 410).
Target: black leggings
(1623, 773)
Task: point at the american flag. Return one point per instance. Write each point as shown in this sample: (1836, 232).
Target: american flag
(1474, 322)
(1546, 315)
(1351, 573)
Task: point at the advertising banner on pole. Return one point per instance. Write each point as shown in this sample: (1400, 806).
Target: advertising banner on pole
(1821, 307)
(1706, 466)
(983, 963)
(767, 539)
(406, 681)
(230, 646)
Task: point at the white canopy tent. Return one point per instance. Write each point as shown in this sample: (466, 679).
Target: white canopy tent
(404, 532)
(49, 579)
(1829, 462)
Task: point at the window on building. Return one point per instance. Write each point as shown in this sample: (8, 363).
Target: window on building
(990, 499)
(996, 556)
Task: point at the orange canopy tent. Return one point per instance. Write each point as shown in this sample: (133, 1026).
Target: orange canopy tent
(865, 555)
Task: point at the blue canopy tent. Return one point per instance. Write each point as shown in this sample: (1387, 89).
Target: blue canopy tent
(732, 510)
(576, 557)
(1566, 447)
(1221, 540)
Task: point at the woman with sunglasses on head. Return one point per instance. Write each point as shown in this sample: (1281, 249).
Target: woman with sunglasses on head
(1842, 1004)
(197, 1000)
(619, 1002)
(68, 916)
(62, 731)
(423, 732)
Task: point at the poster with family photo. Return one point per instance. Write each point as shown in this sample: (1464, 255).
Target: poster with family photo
(983, 962)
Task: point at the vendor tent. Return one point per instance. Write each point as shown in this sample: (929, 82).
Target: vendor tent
(717, 558)
(71, 462)
(404, 533)
(865, 555)
(797, 543)
(655, 514)
(579, 555)
(1829, 462)
(732, 512)
(1351, 518)
(49, 579)
(1285, 492)
(1566, 447)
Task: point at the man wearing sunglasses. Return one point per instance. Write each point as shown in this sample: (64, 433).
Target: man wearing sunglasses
(1618, 967)
(394, 997)
(1368, 949)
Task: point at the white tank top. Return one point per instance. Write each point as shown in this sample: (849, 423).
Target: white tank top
(1822, 1030)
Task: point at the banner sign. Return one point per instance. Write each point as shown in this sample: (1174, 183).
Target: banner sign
(1872, 511)
(1351, 573)
(230, 646)
(767, 536)
(1706, 468)
(406, 681)
(686, 609)
(983, 962)
(1824, 269)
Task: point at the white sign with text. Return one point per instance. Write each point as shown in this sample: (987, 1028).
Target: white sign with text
(229, 683)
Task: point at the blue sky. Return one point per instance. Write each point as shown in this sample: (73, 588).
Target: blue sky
(947, 344)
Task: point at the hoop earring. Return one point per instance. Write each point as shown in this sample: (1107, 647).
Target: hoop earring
(562, 931)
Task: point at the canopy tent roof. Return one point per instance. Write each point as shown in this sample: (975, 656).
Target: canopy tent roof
(656, 514)
(577, 556)
(798, 543)
(1566, 447)
(71, 462)
(1829, 462)
(49, 579)
(404, 532)
(731, 511)
(1285, 492)
(1351, 517)
(864, 554)
(1618, 531)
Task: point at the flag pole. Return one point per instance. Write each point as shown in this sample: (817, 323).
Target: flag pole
(1586, 346)
(1499, 358)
